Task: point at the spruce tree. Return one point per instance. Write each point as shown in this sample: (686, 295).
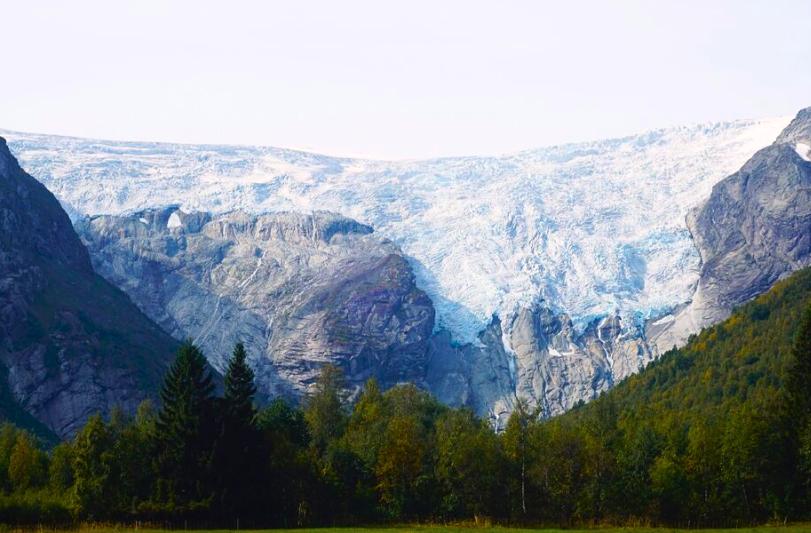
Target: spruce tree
(186, 431)
(239, 459)
(240, 391)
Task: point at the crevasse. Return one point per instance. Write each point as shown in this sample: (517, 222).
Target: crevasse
(591, 228)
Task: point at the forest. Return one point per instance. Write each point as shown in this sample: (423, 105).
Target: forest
(717, 433)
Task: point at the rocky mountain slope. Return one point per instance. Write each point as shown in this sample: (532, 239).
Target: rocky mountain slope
(71, 344)
(754, 229)
(550, 365)
(304, 290)
(548, 275)
(298, 290)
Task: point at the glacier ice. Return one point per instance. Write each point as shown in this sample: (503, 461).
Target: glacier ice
(174, 221)
(591, 229)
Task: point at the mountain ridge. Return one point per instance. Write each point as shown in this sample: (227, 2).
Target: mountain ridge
(512, 254)
(71, 343)
(753, 230)
(706, 124)
(605, 225)
(299, 290)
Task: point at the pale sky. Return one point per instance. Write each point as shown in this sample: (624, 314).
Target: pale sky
(396, 80)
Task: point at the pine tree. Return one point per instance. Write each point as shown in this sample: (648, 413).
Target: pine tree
(186, 431)
(239, 459)
(240, 391)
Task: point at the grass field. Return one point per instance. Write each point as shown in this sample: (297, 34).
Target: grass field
(804, 528)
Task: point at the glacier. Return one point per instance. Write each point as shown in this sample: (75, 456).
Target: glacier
(591, 229)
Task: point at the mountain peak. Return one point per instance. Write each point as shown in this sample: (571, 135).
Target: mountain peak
(5, 153)
(6, 159)
(799, 130)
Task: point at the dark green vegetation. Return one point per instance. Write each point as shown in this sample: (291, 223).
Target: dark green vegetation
(467, 528)
(717, 433)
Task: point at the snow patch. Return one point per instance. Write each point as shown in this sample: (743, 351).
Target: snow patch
(804, 151)
(174, 221)
(554, 353)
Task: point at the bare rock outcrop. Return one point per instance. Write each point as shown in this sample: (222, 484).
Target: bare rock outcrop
(71, 344)
(299, 290)
(754, 229)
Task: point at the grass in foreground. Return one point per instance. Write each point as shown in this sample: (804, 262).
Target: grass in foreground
(800, 528)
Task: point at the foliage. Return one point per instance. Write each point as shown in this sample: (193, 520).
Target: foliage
(238, 442)
(715, 433)
(186, 430)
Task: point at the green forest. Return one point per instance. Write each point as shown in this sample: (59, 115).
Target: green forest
(717, 433)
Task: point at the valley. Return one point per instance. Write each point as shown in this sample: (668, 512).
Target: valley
(548, 275)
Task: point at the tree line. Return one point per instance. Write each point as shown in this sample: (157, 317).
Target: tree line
(642, 454)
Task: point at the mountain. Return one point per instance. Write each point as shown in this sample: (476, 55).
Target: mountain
(709, 434)
(740, 361)
(71, 344)
(552, 274)
(299, 290)
(754, 229)
(588, 228)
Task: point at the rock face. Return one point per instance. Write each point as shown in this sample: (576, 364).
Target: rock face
(304, 290)
(298, 290)
(552, 366)
(754, 229)
(545, 267)
(71, 344)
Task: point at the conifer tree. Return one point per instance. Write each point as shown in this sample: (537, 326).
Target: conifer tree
(240, 391)
(239, 459)
(186, 431)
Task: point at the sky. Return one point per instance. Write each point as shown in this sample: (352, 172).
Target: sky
(397, 80)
